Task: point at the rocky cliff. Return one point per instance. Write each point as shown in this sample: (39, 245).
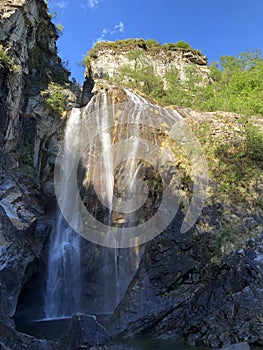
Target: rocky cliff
(109, 62)
(29, 38)
(28, 130)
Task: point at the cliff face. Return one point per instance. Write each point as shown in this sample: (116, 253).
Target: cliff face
(108, 60)
(28, 131)
(29, 38)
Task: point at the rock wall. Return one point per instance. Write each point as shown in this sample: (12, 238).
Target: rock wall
(107, 60)
(178, 293)
(29, 38)
(29, 137)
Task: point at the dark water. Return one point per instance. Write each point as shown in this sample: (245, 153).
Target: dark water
(53, 330)
(46, 329)
(146, 343)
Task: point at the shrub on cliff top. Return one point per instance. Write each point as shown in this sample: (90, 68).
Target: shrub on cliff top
(131, 44)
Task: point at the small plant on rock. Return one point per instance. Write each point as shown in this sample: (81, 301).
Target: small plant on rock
(54, 99)
(6, 60)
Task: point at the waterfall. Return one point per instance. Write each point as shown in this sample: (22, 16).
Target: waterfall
(101, 187)
(63, 290)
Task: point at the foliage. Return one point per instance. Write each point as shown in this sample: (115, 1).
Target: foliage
(85, 62)
(180, 44)
(185, 92)
(6, 60)
(254, 142)
(235, 158)
(237, 86)
(141, 75)
(54, 99)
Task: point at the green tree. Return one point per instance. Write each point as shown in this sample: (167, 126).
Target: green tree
(238, 83)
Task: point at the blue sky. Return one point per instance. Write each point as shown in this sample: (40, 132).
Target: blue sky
(216, 27)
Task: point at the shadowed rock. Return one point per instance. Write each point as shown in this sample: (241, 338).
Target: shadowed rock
(83, 332)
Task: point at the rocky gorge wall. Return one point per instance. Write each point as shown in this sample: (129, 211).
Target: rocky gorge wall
(202, 286)
(29, 39)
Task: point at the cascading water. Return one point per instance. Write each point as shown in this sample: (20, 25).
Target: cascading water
(105, 187)
(63, 290)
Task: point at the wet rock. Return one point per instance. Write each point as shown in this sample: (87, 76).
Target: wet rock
(18, 248)
(15, 260)
(83, 332)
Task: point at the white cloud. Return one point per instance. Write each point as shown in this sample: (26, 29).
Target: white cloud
(92, 3)
(118, 28)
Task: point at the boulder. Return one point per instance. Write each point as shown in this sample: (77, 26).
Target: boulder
(83, 332)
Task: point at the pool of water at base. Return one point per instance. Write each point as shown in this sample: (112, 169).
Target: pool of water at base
(54, 329)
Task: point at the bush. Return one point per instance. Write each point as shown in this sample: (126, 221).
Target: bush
(54, 99)
(7, 60)
(183, 45)
(254, 142)
(237, 86)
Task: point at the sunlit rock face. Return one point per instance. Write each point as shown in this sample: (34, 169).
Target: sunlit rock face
(115, 146)
(107, 61)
